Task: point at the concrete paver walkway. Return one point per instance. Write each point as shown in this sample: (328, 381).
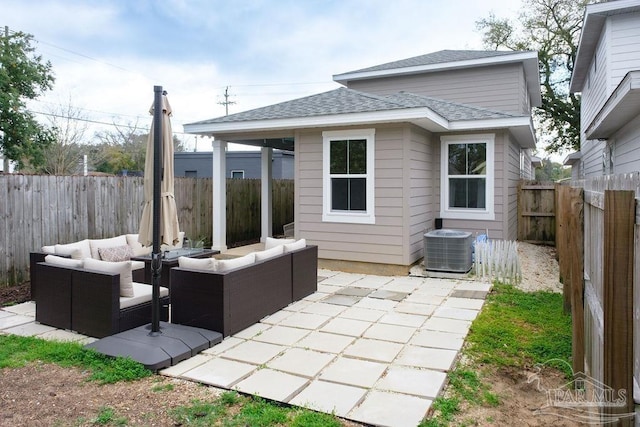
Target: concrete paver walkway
(373, 349)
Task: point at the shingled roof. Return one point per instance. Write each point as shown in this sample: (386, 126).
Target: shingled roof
(348, 101)
(441, 57)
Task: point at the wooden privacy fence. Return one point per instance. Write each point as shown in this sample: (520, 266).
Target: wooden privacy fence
(37, 210)
(536, 212)
(599, 273)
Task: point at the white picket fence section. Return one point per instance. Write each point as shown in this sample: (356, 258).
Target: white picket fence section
(498, 260)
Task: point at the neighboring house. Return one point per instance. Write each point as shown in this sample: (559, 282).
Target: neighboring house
(443, 135)
(607, 73)
(240, 164)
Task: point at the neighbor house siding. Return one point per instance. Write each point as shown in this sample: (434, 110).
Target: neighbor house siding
(625, 39)
(627, 148)
(592, 157)
(421, 190)
(495, 228)
(381, 242)
(492, 87)
(596, 87)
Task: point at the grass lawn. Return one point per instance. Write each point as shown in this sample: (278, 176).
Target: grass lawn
(514, 329)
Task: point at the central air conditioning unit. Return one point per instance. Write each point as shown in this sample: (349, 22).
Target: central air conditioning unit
(448, 250)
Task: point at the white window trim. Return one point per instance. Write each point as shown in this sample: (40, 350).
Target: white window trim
(368, 216)
(237, 171)
(464, 213)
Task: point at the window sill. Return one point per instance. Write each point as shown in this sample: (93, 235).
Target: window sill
(468, 215)
(349, 218)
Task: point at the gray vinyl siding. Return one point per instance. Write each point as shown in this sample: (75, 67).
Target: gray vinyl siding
(495, 228)
(382, 242)
(624, 34)
(421, 190)
(498, 87)
(627, 148)
(592, 157)
(595, 91)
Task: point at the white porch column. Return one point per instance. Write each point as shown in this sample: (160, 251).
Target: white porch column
(219, 178)
(266, 186)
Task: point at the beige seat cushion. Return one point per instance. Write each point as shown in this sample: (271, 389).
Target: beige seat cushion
(95, 244)
(122, 268)
(141, 294)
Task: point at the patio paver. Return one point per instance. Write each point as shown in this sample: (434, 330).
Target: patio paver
(220, 372)
(436, 339)
(342, 326)
(29, 329)
(360, 373)
(305, 320)
(393, 333)
(380, 351)
(427, 357)
(253, 352)
(272, 384)
(418, 382)
(299, 361)
(383, 407)
(329, 397)
(282, 335)
(324, 341)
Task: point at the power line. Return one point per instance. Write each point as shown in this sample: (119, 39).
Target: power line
(226, 101)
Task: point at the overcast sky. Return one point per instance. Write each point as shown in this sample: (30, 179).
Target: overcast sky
(108, 55)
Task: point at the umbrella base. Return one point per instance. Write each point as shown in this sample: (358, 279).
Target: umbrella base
(174, 344)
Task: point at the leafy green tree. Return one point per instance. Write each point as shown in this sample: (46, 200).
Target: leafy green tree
(23, 76)
(552, 28)
(552, 171)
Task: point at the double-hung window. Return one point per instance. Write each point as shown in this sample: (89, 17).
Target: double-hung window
(348, 176)
(467, 177)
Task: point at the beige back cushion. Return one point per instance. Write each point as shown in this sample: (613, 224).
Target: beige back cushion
(269, 253)
(122, 268)
(68, 249)
(230, 264)
(136, 246)
(290, 247)
(63, 262)
(271, 242)
(208, 264)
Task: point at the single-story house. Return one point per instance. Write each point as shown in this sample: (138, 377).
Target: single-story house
(239, 164)
(439, 136)
(607, 74)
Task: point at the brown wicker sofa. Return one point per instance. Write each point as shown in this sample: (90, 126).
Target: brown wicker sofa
(89, 302)
(230, 301)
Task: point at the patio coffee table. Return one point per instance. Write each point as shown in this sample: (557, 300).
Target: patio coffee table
(170, 260)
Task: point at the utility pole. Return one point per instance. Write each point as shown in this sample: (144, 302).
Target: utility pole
(226, 101)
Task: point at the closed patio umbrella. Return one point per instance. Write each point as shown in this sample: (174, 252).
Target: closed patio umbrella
(159, 222)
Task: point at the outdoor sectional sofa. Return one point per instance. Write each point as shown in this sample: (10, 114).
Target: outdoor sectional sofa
(95, 248)
(89, 301)
(230, 301)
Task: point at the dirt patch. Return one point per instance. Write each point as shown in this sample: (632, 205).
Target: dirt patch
(47, 395)
(15, 294)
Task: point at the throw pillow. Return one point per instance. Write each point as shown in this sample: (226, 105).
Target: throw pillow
(208, 264)
(300, 244)
(269, 253)
(116, 253)
(122, 268)
(95, 244)
(63, 262)
(49, 249)
(230, 264)
(271, 242)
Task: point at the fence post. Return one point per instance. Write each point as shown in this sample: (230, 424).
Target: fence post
(619, 218)
(575, 251)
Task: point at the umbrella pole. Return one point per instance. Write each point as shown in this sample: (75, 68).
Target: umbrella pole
(156, 256)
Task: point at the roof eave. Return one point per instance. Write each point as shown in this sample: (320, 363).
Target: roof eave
(620, 108)
(424, 117)
(520, 127)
